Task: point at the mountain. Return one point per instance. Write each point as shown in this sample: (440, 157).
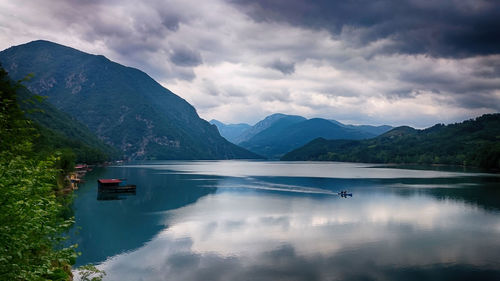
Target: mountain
(230, 131)
(123, 106)
(289, 132)
(375, 130)
(474, 142)
(264, 124)
(58, 130)
(48, 129)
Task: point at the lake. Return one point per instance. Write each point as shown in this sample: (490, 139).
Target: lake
(257, 220)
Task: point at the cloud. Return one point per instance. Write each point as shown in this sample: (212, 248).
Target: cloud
(397, 62)
(284, 67)
(446, 28)
(185, 57)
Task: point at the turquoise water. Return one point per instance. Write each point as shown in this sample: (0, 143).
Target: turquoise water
(251, 220)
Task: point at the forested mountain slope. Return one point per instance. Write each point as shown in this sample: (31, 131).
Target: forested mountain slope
(123, 106)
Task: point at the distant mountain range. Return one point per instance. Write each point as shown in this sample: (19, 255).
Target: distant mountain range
(473, 142)
(374, 130)
(280, 133)
(230, 132)
(123, 106)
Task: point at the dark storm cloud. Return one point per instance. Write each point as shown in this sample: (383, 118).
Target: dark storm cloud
(487, 67)
(284, 67)
(185, 57)
(471, 90)
(476, 100)
(171, 22)
(443, 28)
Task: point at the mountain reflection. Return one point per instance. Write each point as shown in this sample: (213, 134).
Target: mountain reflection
(188, 226)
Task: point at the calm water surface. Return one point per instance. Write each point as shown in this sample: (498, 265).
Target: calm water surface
(251, 220)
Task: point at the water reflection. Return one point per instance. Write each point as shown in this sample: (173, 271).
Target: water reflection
(103, 195)
(230, 236)
(235, 168)
(191, 226)
(106, 228)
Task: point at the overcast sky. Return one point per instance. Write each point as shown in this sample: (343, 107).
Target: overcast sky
(397, 62)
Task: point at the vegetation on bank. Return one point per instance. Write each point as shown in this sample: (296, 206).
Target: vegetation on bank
(473, 142)
(33, 213)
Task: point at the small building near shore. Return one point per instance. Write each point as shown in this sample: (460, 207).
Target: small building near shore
(109, 183)
(115, 185)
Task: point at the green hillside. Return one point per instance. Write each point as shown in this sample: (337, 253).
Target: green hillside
(123, 106)
(57, 130)
(473, 142)
(54, 130)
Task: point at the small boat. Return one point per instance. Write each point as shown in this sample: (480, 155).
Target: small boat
(115, 185)
(344, 194)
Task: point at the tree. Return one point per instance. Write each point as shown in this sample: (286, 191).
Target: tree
(30, 213)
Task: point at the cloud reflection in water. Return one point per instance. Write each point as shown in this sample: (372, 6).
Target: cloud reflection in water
(275, 236)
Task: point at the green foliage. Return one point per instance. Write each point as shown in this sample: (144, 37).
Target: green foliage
(90, 273)
(12, 121)
(471, 143)
(31, 220)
